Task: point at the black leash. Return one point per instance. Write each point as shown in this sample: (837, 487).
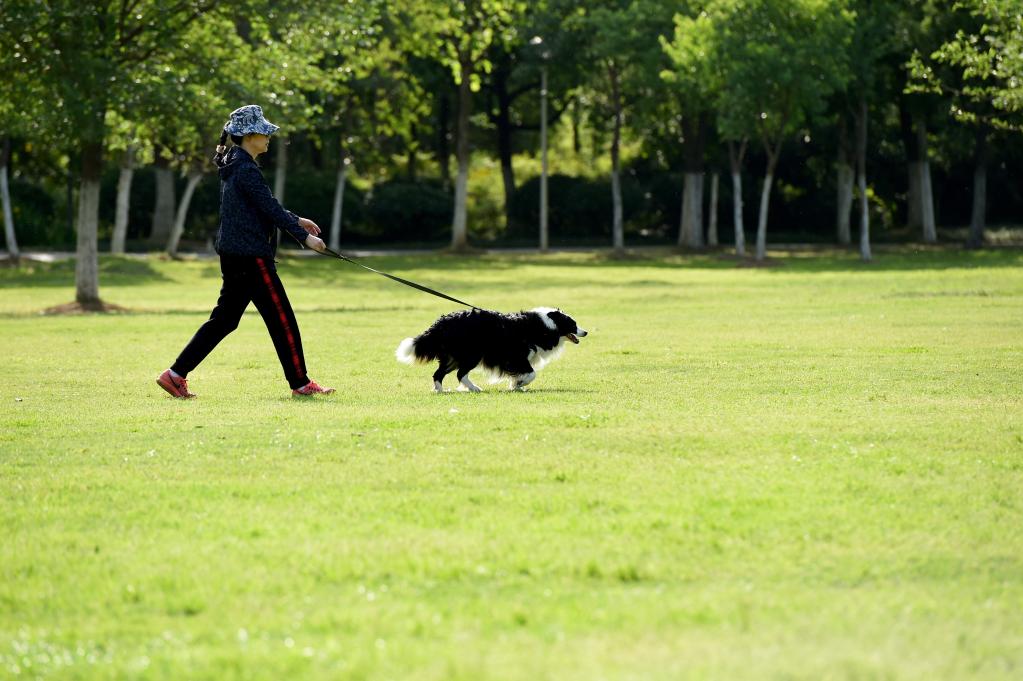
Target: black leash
(339, 256)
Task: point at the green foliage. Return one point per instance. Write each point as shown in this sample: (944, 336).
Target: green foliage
(578, 208)
(459, 33)
(771, 63)
(37, 217)
(981, 65)
(411, 212)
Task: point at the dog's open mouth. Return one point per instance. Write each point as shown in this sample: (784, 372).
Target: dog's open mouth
(572, 337)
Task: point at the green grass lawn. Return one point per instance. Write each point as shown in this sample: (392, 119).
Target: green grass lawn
(811, 470)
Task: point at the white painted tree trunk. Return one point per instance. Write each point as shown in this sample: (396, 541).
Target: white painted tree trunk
(123, 201)
(163, 211)
(5, 199)
(845, 180)
(930, 231)
(930, 227)
(459, 232)
(914, 199)
(978, 215)
(86, 252)
(740, 230)
(861, 172)
(338, 208)
(459, 224)
(765, 200)
(712, 221)
(544, 229)
(182, 213)
(281, 177)
(281, 170)
(617, 220)
(864, 219)
(617, 224)
(691, 229)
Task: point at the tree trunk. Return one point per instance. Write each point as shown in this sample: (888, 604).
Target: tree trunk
(765, 198)
(339, 202)
(443, 141)
(459, 232)
(5, 199)
(182, 213)
(502, 120)
(281, 176)
(926, 198)
(544, 230)
(914, 196)
(735, 156)
(617, 225)
(691, 230)
(86, 252)
(123, 201)
(914, 202)
(712, 221)
(576, 120)
(163, 212)
(979, 212)
(844, 179)
(861, 180)
(930, 227)
(281, 169)
(691, 225)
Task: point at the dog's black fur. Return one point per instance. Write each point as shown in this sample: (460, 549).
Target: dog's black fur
(505, 344)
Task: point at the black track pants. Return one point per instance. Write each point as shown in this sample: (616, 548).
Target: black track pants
(249, 280)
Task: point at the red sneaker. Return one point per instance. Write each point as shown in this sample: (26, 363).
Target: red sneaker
(177, 387)
(311, 388)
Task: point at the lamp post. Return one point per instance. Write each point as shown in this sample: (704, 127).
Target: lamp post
(544, 54)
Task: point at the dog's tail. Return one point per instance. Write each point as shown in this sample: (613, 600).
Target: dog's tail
(406, 352)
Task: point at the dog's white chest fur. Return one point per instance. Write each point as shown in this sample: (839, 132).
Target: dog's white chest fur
(538, 357)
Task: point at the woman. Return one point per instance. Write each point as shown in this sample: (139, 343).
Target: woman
(246, 242)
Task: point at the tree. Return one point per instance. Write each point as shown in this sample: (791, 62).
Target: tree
(696, 80)
(768, 67)
(626, 65)
(465, 30)
(780, 60)
(979, 67)
(365, 93)
(80, 54)
(869, 48)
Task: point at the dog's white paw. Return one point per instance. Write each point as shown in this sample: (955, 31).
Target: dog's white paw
(469, 385)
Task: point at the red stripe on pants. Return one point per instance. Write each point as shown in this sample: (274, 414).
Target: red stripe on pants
(284, 318)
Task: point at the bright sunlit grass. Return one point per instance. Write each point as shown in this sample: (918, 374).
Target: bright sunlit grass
(810, 470)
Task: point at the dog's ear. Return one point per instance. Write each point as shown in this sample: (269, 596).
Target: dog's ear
(561, 320)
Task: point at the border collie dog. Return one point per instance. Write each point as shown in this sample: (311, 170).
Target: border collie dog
(510, 345)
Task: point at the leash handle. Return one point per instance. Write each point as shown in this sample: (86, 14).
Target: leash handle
(329, 251)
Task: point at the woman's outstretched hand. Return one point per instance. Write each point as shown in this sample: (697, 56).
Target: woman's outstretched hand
(315, 243)
(309, 226)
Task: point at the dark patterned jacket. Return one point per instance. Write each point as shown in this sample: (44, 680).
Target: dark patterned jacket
(249, 214)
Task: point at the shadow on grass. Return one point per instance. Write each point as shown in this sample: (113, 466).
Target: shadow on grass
(430, 268)
(113, 271)
(809, 260)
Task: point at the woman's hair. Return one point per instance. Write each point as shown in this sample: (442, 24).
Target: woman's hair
(218, 158)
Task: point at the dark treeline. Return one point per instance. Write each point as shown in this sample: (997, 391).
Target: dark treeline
(702, 123)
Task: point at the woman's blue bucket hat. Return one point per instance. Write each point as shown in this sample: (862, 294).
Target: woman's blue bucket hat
(249, 119)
